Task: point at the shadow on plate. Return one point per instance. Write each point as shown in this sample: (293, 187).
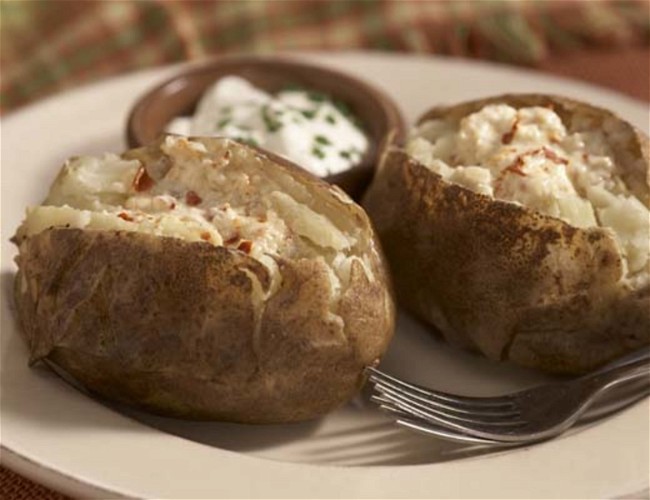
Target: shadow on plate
(357, 434)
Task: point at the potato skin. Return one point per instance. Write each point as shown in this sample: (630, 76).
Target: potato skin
(169, 325)
(502, 279)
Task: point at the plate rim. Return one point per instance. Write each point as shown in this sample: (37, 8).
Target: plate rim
(22, 462)
(51, 477)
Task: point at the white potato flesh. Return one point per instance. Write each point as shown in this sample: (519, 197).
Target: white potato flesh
(529, 157)
(197, 198)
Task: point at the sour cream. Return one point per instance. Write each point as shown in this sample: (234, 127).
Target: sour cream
(306, 127)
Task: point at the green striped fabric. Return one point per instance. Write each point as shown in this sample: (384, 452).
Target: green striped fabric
(50, 45)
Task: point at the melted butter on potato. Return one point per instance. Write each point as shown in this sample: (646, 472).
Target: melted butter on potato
(93, 183)
(221, 199)
(531, 157)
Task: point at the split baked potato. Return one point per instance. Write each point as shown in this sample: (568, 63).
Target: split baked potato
(518, 226)
(202, 278)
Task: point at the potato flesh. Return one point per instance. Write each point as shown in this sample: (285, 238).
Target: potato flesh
(198, 198)
(528, 156)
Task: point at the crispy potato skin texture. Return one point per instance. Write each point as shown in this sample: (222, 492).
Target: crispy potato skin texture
(499, 278)
(169, 325)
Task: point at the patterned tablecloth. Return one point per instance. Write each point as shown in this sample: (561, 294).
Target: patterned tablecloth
(49, 46)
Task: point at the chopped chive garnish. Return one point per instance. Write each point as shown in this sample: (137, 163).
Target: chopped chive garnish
(316, 96)
(330, 119)
(342, 107)
(321, 139)
(272, 124)
(344, 154)
(222, 123)
(311, 114)
(247, 140)
(317, 152)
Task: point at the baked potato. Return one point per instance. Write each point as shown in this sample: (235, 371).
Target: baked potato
(204, 279)
(518, 227)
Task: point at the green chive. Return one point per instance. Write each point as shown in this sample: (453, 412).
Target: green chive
(272, 125)
(247, 140)
(330, 119)
(318, 153)
(311, 114)
(316, 96)
(342, 107)
(345, 154)
(321, 139)
(222, 123)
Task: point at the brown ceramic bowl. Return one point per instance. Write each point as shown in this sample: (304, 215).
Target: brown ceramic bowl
(380, 118)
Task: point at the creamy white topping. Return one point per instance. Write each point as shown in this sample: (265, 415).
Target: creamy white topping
(213, 192)
(527, 156)
(198, 198)
(306, 127)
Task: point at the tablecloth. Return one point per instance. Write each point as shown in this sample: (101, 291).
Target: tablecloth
(50, 46)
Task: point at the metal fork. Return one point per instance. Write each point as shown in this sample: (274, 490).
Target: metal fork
(526, 416)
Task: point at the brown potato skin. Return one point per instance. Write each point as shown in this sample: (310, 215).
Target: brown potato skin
(169, 325)
(502, 279)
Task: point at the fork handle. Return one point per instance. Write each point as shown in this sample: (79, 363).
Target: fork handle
(634, 357)
(602, 380)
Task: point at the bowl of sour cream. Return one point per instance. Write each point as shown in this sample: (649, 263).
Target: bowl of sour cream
(331, 124)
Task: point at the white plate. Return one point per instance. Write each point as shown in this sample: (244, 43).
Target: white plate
(58, 436)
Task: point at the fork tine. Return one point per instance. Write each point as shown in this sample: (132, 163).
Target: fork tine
(438, 421)
(429, 428)
(448, 408)
(377, 376)
(432, 430)
(426, 427)
(549, 409)
(428, 422)
(443, 418)
(388, 405)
